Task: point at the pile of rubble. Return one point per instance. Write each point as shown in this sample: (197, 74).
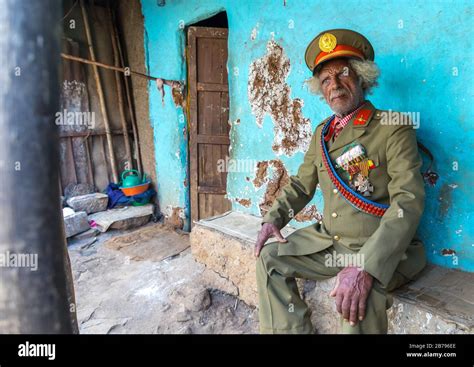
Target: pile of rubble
(86, 215)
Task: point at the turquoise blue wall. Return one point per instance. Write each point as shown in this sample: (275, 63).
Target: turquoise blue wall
(423, 49)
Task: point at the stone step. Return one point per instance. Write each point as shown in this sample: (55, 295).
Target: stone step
(122, 218)
(441, 301)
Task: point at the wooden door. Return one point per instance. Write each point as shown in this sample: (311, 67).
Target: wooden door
(209, 114)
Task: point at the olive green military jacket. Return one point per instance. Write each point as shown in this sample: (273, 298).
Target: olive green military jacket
(388, 242)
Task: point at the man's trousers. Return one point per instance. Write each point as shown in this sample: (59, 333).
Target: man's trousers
(281, 309)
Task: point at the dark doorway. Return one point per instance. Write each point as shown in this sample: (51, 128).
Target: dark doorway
(217, 21)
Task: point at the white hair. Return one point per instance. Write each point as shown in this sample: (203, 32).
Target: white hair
(367, 72)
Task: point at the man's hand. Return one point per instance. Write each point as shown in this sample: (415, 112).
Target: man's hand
(351, 291)
(268, 230)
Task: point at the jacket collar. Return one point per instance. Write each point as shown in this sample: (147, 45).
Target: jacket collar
(356, 126)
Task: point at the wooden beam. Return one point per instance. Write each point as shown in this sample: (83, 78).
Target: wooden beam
(128, 93)
(74, 134)
(100, 92)
(118, 86)
(106, 66)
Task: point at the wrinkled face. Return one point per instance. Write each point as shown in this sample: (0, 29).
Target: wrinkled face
(340, 86)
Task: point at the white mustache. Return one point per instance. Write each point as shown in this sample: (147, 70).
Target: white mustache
(337, 94)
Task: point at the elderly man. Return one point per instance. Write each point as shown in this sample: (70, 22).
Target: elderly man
(369, 173)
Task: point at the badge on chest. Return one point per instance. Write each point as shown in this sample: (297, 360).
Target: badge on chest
(354, 165)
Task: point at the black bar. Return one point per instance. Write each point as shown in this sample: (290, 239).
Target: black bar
(30, 215)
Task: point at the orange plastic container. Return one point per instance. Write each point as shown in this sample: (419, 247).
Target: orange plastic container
(135, 190)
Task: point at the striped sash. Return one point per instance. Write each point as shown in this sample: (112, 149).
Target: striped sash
(356, 200)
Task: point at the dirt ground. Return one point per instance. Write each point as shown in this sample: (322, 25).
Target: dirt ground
(146, 281)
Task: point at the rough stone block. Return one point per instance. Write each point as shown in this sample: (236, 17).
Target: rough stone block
(75, 223)
(90, 203)
(131, 222)
(229, 257)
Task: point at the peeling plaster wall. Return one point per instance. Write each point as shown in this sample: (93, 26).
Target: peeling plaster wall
(426, 63)
(269, 93)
